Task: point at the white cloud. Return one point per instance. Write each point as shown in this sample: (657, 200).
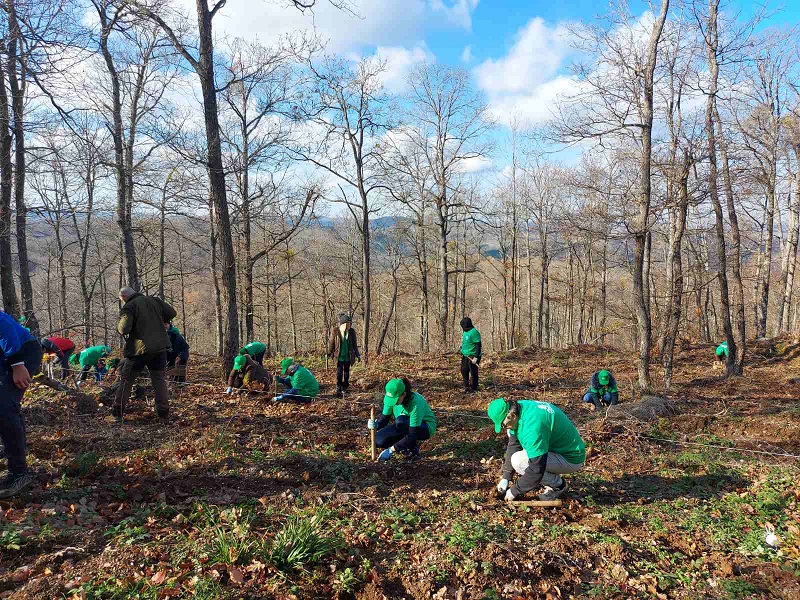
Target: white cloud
(527, 83)
(466, 54)
(399, 62)
(458, 14)
(536, 55)
(369, 23)
(475, 164)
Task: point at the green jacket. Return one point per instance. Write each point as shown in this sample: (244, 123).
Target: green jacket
(417, 410)
(304, 382)
(254, 348)
(141, 321)
(543, 428)
(722, 350)
(91, 355)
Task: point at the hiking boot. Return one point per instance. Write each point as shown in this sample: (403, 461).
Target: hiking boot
(339, 392)
(411, 453)
(467, 390)
(116, 411)
(550, 493)
(13, 484)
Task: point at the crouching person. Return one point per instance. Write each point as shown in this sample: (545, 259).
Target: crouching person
(245, 372)
(414, 421)
(543, 444)
(300, 383)
(602, 390)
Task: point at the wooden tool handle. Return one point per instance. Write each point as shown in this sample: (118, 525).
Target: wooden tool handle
(372, 431)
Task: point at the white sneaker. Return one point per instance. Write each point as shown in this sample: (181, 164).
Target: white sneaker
(550, 493)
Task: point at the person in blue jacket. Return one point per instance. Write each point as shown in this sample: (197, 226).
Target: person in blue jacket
(22, 359)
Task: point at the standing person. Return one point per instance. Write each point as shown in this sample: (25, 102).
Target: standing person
(343, 345)
(92, 358)
(256, 350)
(22, 359)
(301, 384)
(66, 348)
(470, 355)
(141, 323)
(414, 421)
(543, 444)
(602, 390)
(178, 355)
(246, 371)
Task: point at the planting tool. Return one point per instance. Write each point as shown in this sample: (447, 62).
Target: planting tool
(372, 432)
(536, 503)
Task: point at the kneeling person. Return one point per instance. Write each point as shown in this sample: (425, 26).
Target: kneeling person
(414, 421)
(543, 444)
(602, 390)
(301, 384)
(245, 372)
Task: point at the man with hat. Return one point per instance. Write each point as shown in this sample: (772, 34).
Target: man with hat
(343, 345)
(543, 444)
(603, 390)
(301, 384)
(246, 371)
(414, 421)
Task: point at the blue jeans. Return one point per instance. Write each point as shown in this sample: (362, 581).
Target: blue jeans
(292, 395)
(607, 399)
(12, 425)
(397, 432)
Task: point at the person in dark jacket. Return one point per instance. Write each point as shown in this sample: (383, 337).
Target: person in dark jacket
(343, 346)
(62, 348)
(178, 355)
(141, 323)
(603, 390)
(414, 421)
(246, 371)
(21, 360)
(470, 355)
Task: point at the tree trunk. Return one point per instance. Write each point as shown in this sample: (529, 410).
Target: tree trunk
(390, 313)
(787, 277)
(9, 291)
(763, 300)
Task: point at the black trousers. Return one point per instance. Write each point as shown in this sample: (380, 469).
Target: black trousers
(469, 372)
(342, 375)
(12, 425)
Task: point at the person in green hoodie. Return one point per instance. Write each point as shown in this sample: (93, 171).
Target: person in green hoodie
(414, 421)
(543, 444)
(91, 358)
(722, 352)
(256, 350)
(301, 385)
(470, 355)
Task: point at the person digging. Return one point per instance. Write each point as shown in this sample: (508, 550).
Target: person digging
(543, 445)
(301, 385)
(414, 421)
(470, 355)
(177, 355)
(256, 350)
(245, 372)
(602, 390)
(721, 352)
(93, 357)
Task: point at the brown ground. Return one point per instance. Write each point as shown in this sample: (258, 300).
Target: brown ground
(196, 508)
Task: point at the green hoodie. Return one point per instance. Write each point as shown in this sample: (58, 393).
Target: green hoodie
(722, 350)
(91, 355)
(417, 410)
(254, 348)
(543, 428)
(304, 382)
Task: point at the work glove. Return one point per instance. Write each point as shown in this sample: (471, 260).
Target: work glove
(502, 488)
(371, 423)
(386, 454)
(509, 496)
(474, 360)
(229, 390)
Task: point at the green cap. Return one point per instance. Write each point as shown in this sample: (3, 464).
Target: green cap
(497, 411)
(394, 389)
(285, 364)
(603, 377)
(239, 362)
